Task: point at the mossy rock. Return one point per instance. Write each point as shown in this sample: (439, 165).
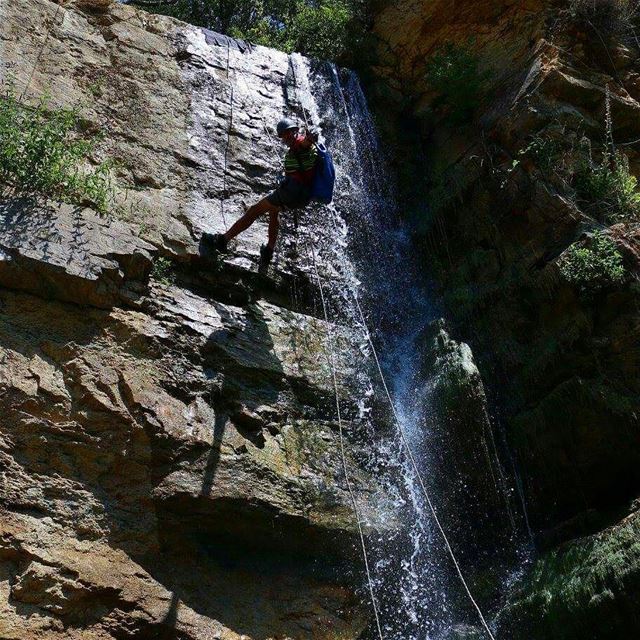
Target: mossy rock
(588, 589)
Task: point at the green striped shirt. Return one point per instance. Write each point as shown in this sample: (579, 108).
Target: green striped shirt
(299, 162)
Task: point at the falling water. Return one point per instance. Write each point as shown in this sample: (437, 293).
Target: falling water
(417, 591)
(367, 262)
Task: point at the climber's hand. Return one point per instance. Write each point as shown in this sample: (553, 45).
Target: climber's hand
(312, 134)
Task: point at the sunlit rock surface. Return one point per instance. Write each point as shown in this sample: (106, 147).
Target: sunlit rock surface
(169, 447)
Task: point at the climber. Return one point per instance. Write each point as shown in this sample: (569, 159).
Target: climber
(293, 192)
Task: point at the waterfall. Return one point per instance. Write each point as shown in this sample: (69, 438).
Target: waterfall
(365, 261)
(416, 588)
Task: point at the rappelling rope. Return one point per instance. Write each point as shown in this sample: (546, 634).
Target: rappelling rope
(331, 359)
(226, 148)
(407, 448)
(42, 48)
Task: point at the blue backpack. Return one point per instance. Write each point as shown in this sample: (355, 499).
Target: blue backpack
(325, 177)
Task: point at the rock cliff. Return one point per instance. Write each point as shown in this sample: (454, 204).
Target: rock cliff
(503, 210)
(169, 445)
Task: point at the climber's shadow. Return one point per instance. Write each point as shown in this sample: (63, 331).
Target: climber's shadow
(213, 459)
(232, 544)
(242, 357)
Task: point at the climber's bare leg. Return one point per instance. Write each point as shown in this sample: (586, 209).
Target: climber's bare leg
(251, 215)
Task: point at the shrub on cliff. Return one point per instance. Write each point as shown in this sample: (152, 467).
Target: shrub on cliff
(163, 271)
(594, 266)
(608, 188)
(328, 29)
(453, 72)
(40, 154)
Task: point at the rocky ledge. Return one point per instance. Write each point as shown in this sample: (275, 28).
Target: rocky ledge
(169, 446)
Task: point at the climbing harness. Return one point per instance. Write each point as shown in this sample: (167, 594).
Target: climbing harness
(42, 48)
(331, 359)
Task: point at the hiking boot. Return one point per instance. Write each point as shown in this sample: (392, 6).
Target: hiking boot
(266, 254)
(215, 241)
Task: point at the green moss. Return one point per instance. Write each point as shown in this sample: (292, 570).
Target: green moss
(583, 590)
(594, 266)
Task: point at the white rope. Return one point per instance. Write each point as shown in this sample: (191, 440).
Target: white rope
(42, 48)
(419, 476)
(226, 148)
(330, 357)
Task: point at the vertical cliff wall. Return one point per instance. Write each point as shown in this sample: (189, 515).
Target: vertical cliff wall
(501, 212)
(168, 439)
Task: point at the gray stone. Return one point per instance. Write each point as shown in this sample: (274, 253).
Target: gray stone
(69, 253)
(167, 445)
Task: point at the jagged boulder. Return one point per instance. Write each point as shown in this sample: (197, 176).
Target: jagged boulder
(473, 499)
(462, 443)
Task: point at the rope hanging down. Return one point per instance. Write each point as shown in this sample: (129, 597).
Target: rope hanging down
(42, 48)
(409, 453)
(330, 357)
(226, 148)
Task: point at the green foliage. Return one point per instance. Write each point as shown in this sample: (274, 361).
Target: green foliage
(41, 155)
(328, 29)
(322, 31)
(219, 15)
(454, 73)
(163, 271)
(543, 151)
(593, 267)
(609, 186)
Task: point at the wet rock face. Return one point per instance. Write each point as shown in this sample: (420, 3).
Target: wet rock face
(170, 463)
(562, 365)
(585, 589)
(466, 479)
